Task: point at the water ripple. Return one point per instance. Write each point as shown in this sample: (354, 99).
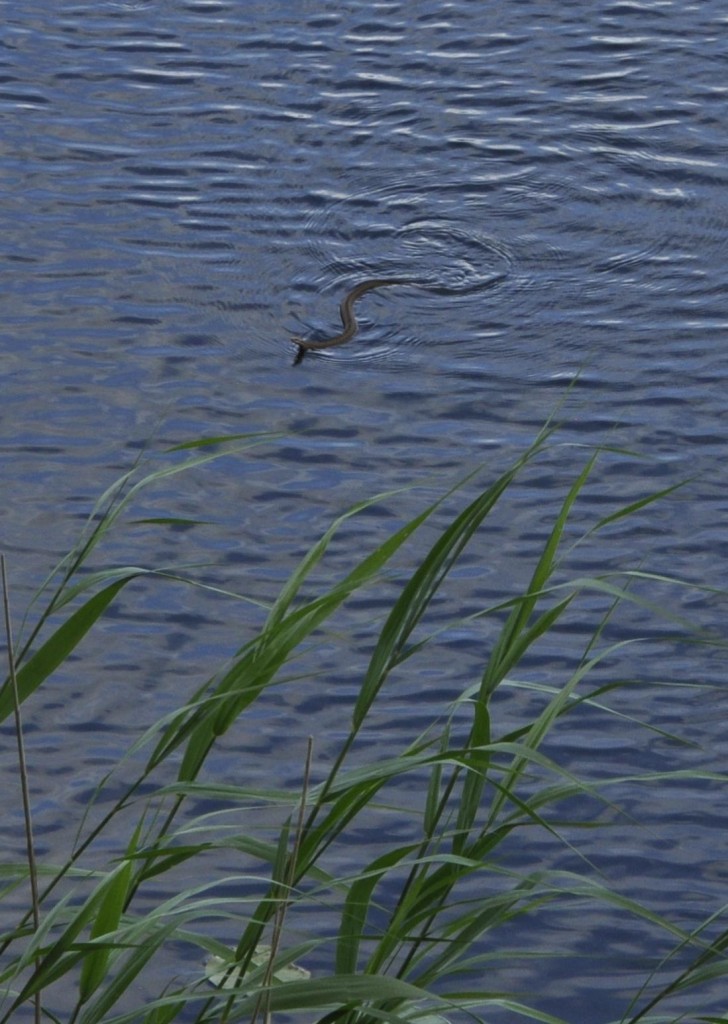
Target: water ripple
(183, 186)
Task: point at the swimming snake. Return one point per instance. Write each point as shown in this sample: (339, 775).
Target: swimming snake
(348, 320)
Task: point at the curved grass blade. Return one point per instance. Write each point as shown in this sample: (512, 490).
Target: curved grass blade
(57, 648)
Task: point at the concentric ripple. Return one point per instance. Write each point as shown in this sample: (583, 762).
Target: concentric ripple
(397, 232)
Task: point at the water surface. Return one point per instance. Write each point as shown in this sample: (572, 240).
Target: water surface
(185, 186)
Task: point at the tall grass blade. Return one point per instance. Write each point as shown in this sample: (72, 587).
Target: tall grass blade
(106, 512)
(217, 705)
(58, 646)
(108, 916)
(97, 1011)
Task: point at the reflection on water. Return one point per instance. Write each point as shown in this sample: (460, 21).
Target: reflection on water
(186, 186)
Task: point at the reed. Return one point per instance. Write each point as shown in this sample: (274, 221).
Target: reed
(411, 930)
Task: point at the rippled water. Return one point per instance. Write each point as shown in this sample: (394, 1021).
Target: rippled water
(186, 186)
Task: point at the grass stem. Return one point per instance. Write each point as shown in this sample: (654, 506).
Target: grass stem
(23, 769)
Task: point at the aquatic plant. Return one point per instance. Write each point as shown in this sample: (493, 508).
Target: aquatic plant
(405, 929)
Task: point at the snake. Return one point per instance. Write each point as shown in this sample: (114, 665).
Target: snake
(348, 319)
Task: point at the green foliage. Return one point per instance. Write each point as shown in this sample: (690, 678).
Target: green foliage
(415, 933)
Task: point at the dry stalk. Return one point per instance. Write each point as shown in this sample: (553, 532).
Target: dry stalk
(285, 902)
(24, 787)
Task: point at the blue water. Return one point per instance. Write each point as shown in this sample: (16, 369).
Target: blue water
(185, 186)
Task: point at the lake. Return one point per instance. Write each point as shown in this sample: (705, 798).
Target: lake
(186, 186)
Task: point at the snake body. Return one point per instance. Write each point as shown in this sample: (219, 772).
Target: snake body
(348, 319)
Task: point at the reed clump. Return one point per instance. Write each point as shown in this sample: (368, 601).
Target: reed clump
(407, 929)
